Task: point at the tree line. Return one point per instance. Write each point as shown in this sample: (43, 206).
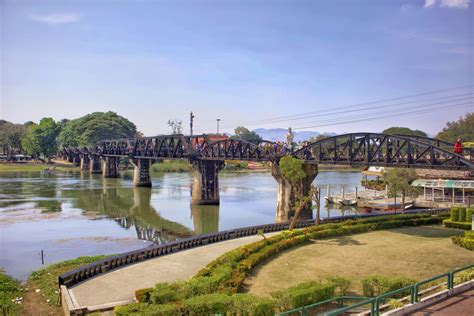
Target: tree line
(43, 139)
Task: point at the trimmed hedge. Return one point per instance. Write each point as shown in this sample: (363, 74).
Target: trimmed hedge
(376, 285)
(467, 241)
(449, 223)
(214, 288)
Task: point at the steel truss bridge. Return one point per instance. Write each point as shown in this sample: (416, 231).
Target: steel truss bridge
(355, 149)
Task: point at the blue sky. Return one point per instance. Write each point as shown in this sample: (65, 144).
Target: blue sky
(240, 61)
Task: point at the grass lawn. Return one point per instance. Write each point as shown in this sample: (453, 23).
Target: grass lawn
(414, 252)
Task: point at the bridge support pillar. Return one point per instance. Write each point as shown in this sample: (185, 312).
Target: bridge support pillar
(205, 188)
(110, 169)
(76, 160)
(85, 163)
(287, 193)
(141, 175)
(95, 164)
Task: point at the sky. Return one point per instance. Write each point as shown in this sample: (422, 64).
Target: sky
(245, 62)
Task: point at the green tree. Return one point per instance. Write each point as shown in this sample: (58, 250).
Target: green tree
(245, 134)
(176, 126)
(399, 182)
(11, 136)
(462, 128)
(29, 142)
(292, 169)
(95, 127)
(318, 138)
(404, 131)
(46, 133)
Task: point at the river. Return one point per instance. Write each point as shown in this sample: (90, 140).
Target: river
(71, 214)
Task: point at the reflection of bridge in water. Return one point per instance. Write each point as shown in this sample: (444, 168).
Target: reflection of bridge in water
(207, 159)
(131, 207)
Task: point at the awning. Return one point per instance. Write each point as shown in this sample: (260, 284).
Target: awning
(456, 184)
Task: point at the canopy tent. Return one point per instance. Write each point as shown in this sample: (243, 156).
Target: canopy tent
(441, 184)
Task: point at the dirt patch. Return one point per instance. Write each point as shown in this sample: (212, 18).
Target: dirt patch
(35, 304)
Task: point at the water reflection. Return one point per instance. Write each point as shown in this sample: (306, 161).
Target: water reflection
(205, 218)
(128, 207)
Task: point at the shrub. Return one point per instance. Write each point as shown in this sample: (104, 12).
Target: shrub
(464, 276)
(164, 293)
(469, 213)
(455, 214)
(10, 293)
(143, 295)
(375, 285)
(304, 294)
(342, 284)
(451, 224)
(142, 309)
(467, 241)
(462, 214)
(246, 304)
(215, 303)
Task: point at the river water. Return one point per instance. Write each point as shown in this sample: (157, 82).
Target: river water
(70, 214)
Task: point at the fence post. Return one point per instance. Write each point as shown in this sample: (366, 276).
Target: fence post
(372, 308)
(412, 295)
(450, 280)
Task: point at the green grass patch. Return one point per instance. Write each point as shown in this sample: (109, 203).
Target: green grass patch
(11, 295)
(172, 166)
(46, 279)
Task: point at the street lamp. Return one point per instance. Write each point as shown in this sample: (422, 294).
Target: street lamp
(218, 120)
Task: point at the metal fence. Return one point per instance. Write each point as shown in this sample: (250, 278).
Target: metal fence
(98, 267)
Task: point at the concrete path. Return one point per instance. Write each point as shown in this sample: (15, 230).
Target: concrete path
(119, 285)
(458, 305)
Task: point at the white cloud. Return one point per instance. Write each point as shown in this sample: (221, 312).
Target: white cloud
(429, 3)
(56, 18)
(461, 4)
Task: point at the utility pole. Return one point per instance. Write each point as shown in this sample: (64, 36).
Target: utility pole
(191, 119)
(218, 120)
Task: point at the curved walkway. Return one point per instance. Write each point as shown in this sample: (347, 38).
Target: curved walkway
(119, 286)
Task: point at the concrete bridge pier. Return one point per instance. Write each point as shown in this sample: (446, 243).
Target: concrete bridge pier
(85, 163)
(95, 164)
(287, 193)
(205, 189)
(76, 160)
(141, 175)
(110, 169)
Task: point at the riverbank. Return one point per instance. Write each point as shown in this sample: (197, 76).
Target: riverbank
(39, 295)
(36, 167)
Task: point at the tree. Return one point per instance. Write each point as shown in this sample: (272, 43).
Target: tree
(29, 142)
(46, 133)
(463, 128)
(176, 126)
(292, 169)
(404, 131)
(11, 136)
(245, 134)
(399, 181)
(95, 127)
(318, 138)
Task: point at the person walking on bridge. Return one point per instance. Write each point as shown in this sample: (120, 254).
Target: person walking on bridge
(458, 147)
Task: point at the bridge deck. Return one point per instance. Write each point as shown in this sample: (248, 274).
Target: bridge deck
(461, 304)
(119, 285)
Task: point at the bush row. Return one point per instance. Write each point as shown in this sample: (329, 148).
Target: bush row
(225, 275)
(467, 241)
(376, 285)
(461, 214)
(449, 223)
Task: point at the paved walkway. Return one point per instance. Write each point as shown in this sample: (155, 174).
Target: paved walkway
(120, 285)
(458, 305)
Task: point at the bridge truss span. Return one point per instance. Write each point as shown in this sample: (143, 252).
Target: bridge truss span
(373, 149)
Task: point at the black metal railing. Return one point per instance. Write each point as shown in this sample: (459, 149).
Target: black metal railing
(98, 267)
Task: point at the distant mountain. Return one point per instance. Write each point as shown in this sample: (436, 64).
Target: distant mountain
(274, 134)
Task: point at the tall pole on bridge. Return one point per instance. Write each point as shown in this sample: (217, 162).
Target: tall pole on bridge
(191, 119)
(218, 120)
